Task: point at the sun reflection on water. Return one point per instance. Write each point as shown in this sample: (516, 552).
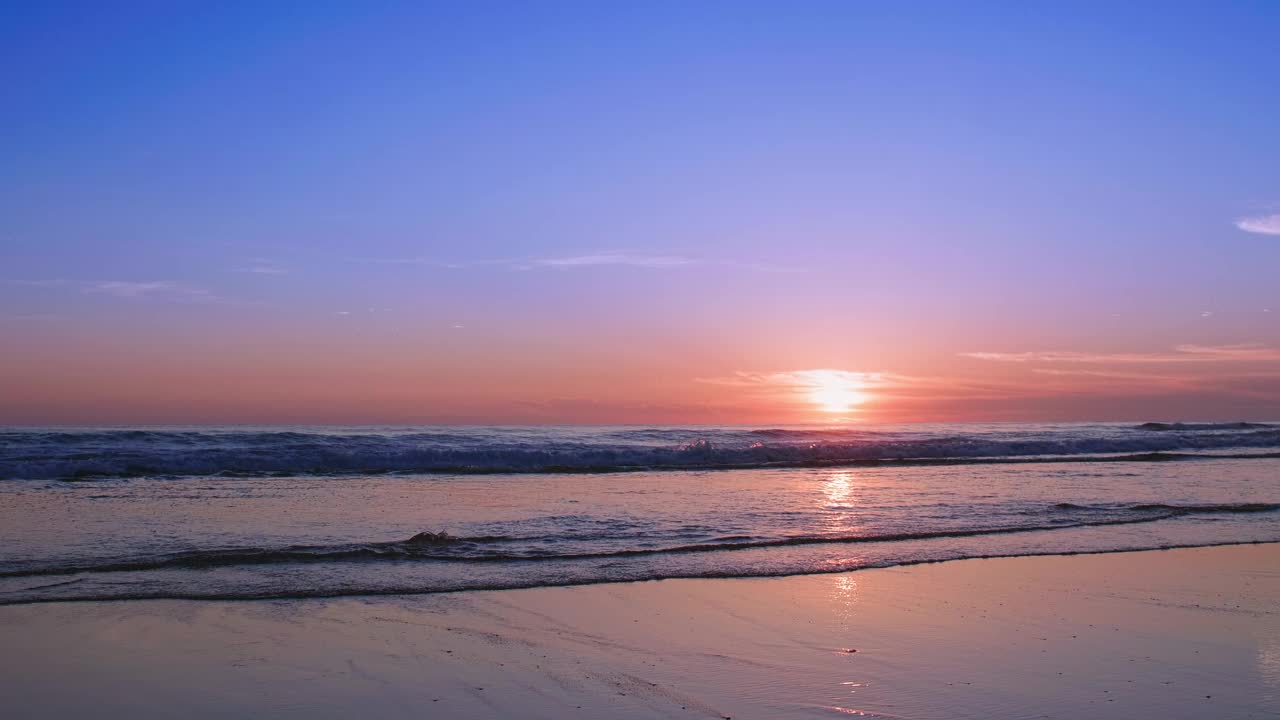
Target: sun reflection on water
(839, 488)
(840, 501)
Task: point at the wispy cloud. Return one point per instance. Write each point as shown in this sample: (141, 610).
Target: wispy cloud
(610, 258)
(29, 317)
(792, 379)
(1250, 352)
(1261, 224)
(1111, 374)
(649, 261)
(151, 290)
(1245, 351)
(1001, 356)
(1241, 370)
(433, 262)
(567, 261)
(261, 266)
(148, 290)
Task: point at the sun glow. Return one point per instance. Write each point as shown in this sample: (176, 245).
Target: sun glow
(835, 391)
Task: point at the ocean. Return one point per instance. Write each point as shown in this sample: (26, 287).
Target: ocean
(293, 512)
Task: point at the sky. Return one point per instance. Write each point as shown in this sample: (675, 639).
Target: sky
(694, 212)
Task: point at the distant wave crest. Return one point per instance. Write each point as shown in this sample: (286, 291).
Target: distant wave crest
(82, 455)
(1203, 427)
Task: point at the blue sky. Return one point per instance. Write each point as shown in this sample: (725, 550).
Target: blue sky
(671, 191)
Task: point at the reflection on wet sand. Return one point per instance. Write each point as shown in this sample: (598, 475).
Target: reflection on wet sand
(1177, 634)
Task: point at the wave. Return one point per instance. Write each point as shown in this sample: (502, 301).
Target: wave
(1209, 509)
(484, 466)
(442, 547)
(1203, 427)
(320, 593)
(70, 455)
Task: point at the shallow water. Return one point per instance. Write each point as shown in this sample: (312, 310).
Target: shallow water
(225, 529)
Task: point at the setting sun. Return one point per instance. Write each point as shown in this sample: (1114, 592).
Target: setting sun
(835, 391)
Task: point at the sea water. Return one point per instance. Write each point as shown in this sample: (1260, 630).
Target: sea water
(242, 513)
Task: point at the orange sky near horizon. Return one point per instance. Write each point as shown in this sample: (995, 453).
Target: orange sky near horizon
(115, 380)
(638, 213)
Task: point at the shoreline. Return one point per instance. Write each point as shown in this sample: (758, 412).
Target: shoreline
(408, 593)
(1185, 632)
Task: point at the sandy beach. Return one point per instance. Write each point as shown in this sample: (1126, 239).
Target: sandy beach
(1192, 633)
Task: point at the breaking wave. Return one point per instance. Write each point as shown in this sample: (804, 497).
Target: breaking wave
(1200, 427)
(99, 454)
(442, 547)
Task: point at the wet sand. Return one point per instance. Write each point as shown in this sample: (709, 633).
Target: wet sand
(1166, 634)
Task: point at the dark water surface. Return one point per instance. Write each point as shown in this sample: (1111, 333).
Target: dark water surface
(300, 512)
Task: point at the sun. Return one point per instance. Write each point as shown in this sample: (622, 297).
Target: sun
(835, 391)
